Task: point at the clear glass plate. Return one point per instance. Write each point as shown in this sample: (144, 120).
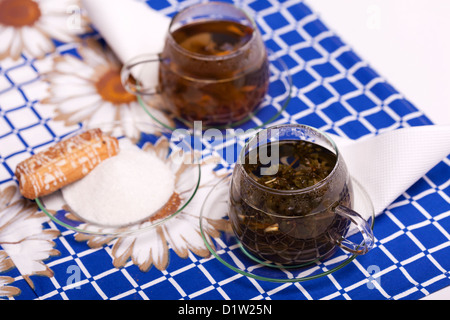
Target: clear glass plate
(173, 149)
(274, 103)
(227, 249)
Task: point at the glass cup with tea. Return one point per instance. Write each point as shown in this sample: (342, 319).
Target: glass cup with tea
(291, 198)
(213, 67)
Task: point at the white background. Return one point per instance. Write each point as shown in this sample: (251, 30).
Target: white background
(407, 42)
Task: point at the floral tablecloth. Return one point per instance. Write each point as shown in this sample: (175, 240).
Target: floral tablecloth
(57, 75)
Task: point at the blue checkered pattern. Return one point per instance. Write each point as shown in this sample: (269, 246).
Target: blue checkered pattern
(334, 90)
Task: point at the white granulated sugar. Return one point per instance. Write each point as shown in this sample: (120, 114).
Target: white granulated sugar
(123, 189)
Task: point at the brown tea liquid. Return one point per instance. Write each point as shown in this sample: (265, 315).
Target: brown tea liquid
(213, 37)
(216, 91)
(290, 229)
(301, 164)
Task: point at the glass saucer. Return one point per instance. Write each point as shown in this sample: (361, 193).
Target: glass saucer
(228, 250)
(176, 153)
(274, 103)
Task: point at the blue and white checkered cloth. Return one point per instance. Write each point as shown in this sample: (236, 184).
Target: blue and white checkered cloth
(334, 90)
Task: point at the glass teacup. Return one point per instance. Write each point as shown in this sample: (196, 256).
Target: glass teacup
(213, 67)
(291, 198)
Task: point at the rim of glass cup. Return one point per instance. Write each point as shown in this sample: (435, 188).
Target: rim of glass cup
(319, 184)
(213, 57)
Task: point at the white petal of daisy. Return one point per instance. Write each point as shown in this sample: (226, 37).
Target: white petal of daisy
(127, 120)
(122, 250)
(183, 234)
(83, 114)
(160, 149)
(9, 213)
(22, 227)
(125, 112)
(56, 6)
(112, 58)
(139, 113)
(5, 280)
(180, 158)
(67, 79)
(73, 86)
(78, 102)
(195, 205)
(6, 290)
(27, 257)
(66, 62)
(9, 196)
(26, 227)
(23, 239)
(56, 27)
(104, 113)
(162, 118)
(149, 248)
(209, 178)
(63, 92)
(220, 202)
(94, 56)
(185, 183)
(5, 262)
(72, 65)
(16, 45)
(6, 38)
(35, 42)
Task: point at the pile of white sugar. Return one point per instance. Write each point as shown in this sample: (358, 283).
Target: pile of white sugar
(123, 189)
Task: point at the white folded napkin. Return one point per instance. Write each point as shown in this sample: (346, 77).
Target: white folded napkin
(131, 28)
(386, 165)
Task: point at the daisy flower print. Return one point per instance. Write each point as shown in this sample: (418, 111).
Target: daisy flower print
(30, 26)
(88, 89)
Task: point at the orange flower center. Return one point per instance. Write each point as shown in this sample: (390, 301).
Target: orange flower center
(19, 13)
(110, 88)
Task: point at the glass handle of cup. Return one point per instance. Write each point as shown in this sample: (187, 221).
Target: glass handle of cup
(134, 74)
(363, 227)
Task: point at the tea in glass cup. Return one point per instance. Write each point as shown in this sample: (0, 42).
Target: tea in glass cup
(213, 68)
(291, 198)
